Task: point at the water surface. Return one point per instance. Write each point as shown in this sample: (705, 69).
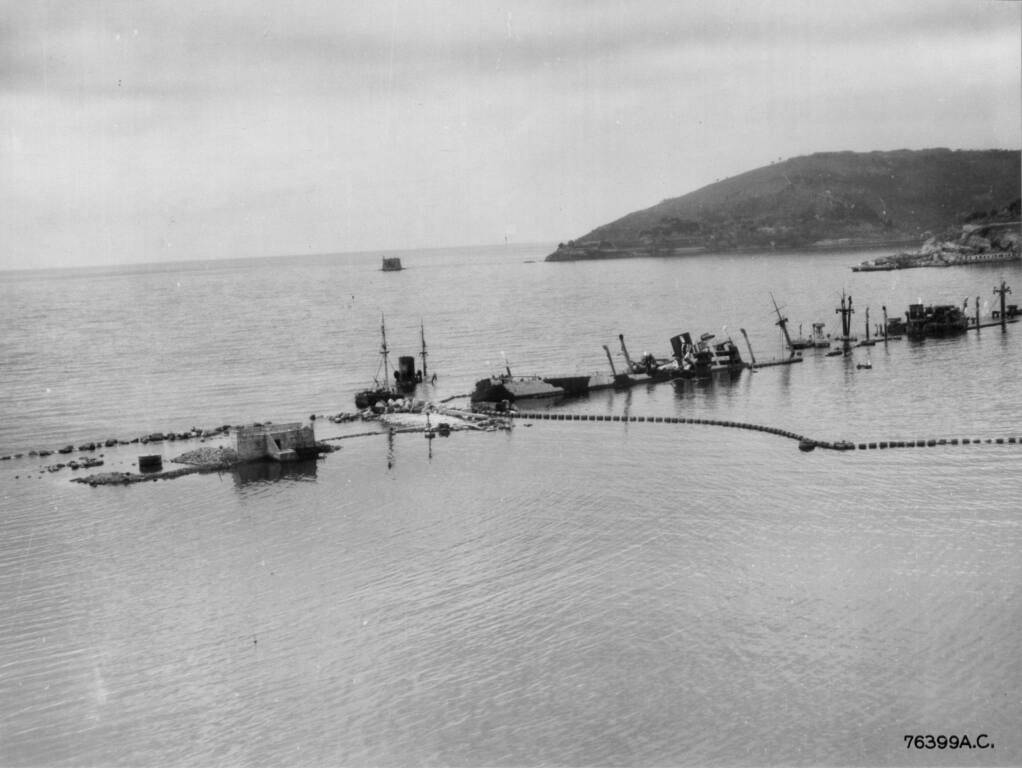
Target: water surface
(564, 593)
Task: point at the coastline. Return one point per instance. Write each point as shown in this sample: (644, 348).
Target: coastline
(596, 253)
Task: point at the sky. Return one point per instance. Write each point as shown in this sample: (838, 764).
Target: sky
(147, 132)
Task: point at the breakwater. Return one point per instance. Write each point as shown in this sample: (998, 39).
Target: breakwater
(194, 433)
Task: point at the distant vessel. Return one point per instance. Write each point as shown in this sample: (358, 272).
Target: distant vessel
(391, 264)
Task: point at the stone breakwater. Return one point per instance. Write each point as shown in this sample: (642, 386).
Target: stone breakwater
(200, 460)
(206, 459)
(202, 434)
(397, 416)
(195, 433)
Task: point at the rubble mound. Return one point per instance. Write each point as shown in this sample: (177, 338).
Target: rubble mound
(209, 457)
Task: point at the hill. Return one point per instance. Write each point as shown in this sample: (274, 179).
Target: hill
(828, 199)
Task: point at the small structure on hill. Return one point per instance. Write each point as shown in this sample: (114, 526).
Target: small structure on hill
(276, 442)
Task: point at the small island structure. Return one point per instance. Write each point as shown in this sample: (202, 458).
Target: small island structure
(259, 442)
(275, 442)
(391, 264)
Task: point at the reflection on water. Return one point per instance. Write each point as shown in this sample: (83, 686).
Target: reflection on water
(272, 471)
(710, 387)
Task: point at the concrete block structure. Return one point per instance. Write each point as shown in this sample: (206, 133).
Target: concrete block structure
(276, 442)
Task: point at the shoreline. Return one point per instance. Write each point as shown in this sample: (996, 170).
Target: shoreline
(827, 246)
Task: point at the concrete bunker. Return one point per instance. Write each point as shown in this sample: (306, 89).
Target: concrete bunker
(275, 442)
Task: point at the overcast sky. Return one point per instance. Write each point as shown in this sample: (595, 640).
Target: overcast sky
(160, 131)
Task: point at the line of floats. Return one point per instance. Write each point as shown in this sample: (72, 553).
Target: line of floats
(804, 443)
(692, 358)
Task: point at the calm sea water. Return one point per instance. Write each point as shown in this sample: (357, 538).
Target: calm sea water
(561, 594)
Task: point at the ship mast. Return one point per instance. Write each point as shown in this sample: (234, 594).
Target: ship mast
(1004, 289)
(624, 351)
(846, 321)
(383, 351)
(751, 355)
(783, 323)
(422, 334)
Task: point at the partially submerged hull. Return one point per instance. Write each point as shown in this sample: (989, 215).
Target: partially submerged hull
(404, 380)
(580, 384)
(939, 320)
(703, 359)
(496, 389)
(367, 398)
(708, 371)
(691, 360)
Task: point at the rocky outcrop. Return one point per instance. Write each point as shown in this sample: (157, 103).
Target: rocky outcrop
(211, 458)
(985, 243)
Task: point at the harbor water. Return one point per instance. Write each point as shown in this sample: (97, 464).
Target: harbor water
(562, 593)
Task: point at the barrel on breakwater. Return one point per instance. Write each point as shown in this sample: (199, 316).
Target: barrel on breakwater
(150, 463)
